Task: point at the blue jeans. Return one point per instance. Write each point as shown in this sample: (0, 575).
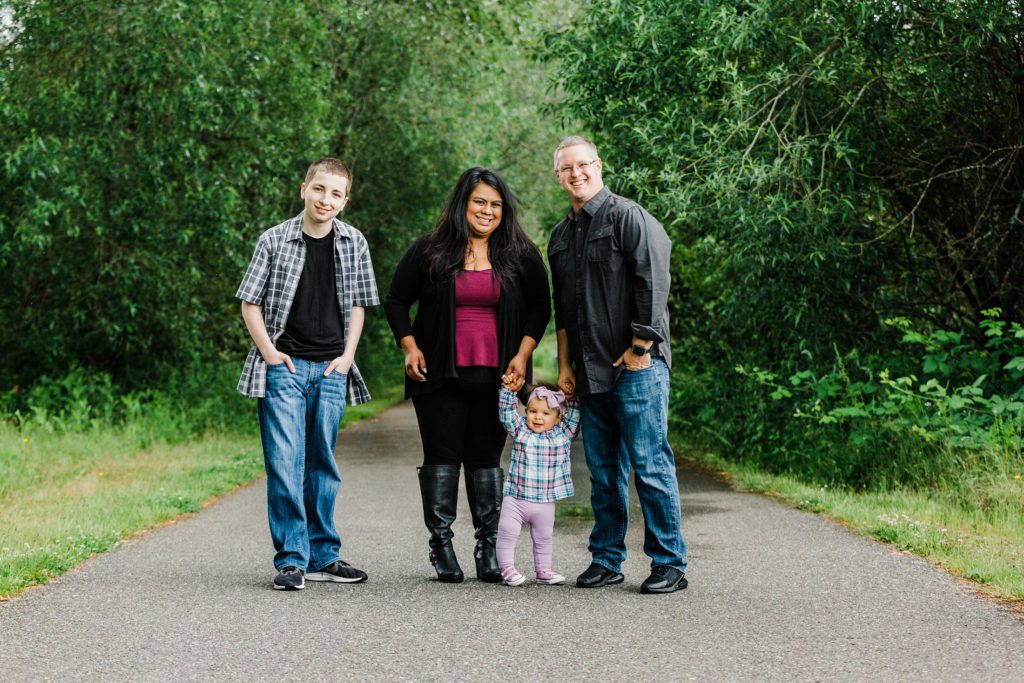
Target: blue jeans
(626, 428)
(299, 420)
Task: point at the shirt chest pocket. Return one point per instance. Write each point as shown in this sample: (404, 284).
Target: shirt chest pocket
(600, 244)
(283, 272)
(557, 251)
(286, 271)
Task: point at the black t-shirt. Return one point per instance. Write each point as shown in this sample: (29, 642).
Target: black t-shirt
(313, 330)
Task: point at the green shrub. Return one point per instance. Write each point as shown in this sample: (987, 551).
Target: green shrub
(191, 401)
(948, 406)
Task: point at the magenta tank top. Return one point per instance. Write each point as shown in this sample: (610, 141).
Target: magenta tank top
(476, 318)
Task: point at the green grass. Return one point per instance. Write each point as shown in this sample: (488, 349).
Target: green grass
(382, 398)
(975, 530)
(66, 494)
(568, 510)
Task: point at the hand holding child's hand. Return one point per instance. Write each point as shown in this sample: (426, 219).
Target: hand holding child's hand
(515, 373)
(567, 381)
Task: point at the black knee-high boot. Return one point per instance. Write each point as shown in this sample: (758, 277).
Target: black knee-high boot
(483, 487)
(439, 488)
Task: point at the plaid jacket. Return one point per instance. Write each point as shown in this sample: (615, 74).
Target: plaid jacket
(540, 470)
(273, 276)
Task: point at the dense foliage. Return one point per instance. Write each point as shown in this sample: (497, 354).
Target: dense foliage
(145, 146)
(843, 183)
(822, 166)
(137, 148)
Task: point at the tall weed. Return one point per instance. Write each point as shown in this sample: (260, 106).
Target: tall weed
(190, 402)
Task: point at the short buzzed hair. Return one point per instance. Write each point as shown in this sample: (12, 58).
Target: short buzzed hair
(332, 166)
(572, 141)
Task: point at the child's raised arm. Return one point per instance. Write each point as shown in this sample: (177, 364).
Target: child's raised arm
(571, 421)
(507, 411)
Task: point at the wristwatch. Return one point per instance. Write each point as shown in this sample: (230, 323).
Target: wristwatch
(639, 350)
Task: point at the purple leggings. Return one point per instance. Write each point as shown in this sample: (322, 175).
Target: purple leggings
(540, 517)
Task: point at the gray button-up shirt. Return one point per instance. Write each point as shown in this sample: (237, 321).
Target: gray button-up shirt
(610, 276)
(273, 276)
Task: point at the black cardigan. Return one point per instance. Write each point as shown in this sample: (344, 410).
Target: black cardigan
(523, 311)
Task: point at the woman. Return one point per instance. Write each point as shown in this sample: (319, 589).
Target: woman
(483, 302)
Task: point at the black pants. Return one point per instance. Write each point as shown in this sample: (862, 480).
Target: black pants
(459, 422)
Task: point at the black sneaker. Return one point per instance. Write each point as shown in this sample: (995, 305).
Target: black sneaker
(289, 579)
(664, 579)
(596, 576)
(338, 572)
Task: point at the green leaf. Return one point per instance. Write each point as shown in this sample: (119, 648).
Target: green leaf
(1015, 363)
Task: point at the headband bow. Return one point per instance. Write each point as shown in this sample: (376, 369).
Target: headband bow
(554, 399)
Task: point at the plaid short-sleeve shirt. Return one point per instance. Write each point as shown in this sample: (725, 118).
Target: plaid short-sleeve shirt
(273, 276)
(540, 470)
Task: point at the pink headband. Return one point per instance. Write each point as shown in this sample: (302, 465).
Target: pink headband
(554, 399)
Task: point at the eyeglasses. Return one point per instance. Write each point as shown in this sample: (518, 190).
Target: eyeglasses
(581, 167)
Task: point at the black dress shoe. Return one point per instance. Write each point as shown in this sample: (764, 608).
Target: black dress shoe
(596, 576)
(664, 579)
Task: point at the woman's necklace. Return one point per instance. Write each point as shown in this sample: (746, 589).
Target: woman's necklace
(476, 254)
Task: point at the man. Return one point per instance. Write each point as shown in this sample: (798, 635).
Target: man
(610, 270)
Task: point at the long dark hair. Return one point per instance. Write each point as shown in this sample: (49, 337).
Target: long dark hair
(507, 245)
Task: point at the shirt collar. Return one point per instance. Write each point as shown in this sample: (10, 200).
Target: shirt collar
(294, 229)
(592, 206)
(597, 201)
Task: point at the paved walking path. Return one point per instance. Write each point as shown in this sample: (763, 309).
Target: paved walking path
(775, 594)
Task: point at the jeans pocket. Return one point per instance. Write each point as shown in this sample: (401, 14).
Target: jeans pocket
(337, 381)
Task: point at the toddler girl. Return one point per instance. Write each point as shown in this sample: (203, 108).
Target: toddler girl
(538, 475)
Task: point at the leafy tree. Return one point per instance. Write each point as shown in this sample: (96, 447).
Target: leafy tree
(141, 142)
(822, 166)
(459, 89)
(433, 88)
(146, 145)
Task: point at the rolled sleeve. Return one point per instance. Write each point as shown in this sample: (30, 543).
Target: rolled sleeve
(365, 293)
(647, 250)
(254, 284)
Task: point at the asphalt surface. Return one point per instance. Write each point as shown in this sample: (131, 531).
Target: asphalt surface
(775, 594)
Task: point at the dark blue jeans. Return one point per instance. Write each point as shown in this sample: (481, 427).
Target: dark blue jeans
(299, 419)
(627, 428)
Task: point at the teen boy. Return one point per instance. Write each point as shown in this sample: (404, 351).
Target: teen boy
(302, 301)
